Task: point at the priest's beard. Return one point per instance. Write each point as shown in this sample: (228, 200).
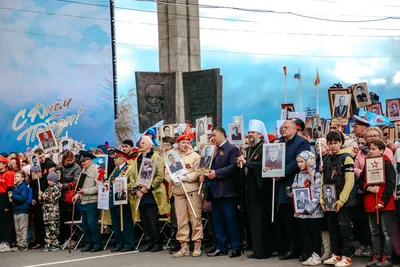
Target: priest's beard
(254, 141)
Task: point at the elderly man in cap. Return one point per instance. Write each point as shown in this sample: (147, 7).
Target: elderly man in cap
(88, 197)
(6, 215)
(183, 210)
(153, 200)
(360, 126)
(258, 192)
(124, 240)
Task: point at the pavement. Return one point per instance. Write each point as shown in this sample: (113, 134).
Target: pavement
(36, 258)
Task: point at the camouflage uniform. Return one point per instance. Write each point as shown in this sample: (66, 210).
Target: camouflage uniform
(51, 215)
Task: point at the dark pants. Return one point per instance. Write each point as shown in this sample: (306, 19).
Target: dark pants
(6, 220)
(39, 225)
(149, 220)
(381, 235)
(90, 226)
(225, 220)
(340, 232)
(360, 223)
(126, 238)
(286, 228)
(65, 216)
(310, 236)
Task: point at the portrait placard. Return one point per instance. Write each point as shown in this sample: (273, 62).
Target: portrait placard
(342, 106)
(34, 159)
(329, 196)
(332, 94)
(327, 127)
(361, 95)
(375, 170)
(316, 126)
(201, 125)
(81, 181)
(101, 161)
(236, 134)
(393, 109)
(301, 199)
(375, 108)
(103, 198)
(65, 145)
(146, 173)
(174, 164)
(273, 162)
(207, 156)
(47, 141)
(120, 186)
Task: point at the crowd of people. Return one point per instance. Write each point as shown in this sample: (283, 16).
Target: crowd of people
(348, 218)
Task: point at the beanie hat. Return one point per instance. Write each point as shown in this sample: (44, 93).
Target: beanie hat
(52, 177)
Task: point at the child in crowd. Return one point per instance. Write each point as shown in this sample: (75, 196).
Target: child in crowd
(310, 222)
(338, 171)
(380, 196)
(51, 213)
(19, 199)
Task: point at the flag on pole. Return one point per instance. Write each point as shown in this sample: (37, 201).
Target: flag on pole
(297, 75)
(317, 80)
(284, 70)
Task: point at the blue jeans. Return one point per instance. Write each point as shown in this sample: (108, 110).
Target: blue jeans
(90, 226)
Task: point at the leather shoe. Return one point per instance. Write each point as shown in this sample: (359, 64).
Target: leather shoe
(217, 253)
(146, 248)
(303, 258)
(212, 249)
(288, 256)
(252, 256)
(85, 249)
(96, 249)
(156, 248)
(115, 249)
(127, 249)
(234, 254)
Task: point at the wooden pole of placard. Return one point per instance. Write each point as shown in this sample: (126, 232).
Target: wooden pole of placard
(102, 222)
(121, 217)
(273, 200)
(377, 210)
(190, 202)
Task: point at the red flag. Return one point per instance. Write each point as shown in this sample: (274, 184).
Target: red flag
(284, 70)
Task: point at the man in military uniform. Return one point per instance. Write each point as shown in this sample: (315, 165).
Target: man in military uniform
(51, 213)
(124, 241)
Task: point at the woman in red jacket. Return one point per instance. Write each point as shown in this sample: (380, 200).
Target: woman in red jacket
(381, 234)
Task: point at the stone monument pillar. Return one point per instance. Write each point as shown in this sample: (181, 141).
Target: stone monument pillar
(179, 43)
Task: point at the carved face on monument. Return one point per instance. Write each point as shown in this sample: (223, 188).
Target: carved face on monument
(154, 94)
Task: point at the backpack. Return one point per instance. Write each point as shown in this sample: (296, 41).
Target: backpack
(30, 196)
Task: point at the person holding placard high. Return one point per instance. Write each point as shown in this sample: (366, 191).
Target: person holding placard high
(380, 197)
(185, 201)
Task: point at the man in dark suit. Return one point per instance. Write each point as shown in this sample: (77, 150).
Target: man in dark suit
(341, 110)
(119, 193)
(302, 201)
(361, 96)
(223, 197)
(175, 166)
(329, 199)
(236, 135)
(206, 159)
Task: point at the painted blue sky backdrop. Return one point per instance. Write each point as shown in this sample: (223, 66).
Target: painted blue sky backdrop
(251, 54)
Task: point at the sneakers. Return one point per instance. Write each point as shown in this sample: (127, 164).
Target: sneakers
(346, 261)
(307, 262)
(313, 260)
(197, 249)
(52, 249)
(22, 248)
(45, 249)
(374, 261)
(4, 247)
(385, 262)
(332, 260)
(183, 252)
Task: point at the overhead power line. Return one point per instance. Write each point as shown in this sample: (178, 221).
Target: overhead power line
(249, 10)
(210, 28)
(202, 50)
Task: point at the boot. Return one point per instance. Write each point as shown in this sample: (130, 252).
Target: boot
(326, 243)
(197, 249)
(183, 252)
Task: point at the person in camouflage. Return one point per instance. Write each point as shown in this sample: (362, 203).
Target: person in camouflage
(51, 213)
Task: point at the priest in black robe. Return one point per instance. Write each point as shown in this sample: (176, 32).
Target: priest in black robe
(257, 193)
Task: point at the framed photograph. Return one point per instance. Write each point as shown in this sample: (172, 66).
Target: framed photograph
(308, 123)
(375, 108)
(81, 181)
(174, 164)
(34, 159)
(207, 156)
(103, 196)
(342, 106)
(167, 131)
(47, 141)
(397, 130)
(361, 95)
(201, 125)
(146, 173)
(101, 161)
(327, 127)
(273, 163)
(301, 199)
(351, 128)
(375, 170)
(393, 109)
(289, 107)
(236, 135)
(120, 192)
(331, 95)
(65, 145)
(329, 196)
(316, 126)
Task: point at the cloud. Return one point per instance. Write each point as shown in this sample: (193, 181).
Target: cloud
(378, 81)
(396, 78)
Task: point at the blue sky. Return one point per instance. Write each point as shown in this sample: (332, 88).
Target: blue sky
(351, 52)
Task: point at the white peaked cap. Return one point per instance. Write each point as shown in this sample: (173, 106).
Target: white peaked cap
(259, 127)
